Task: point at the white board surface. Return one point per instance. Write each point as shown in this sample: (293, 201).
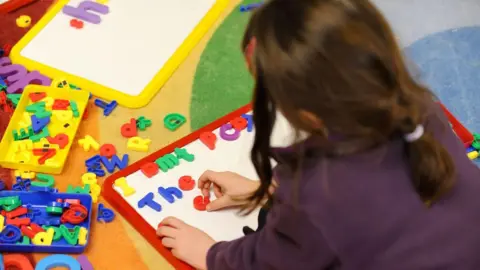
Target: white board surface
(223, 225)
(126, 50)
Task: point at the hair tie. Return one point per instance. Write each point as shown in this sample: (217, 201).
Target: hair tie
(415, 135)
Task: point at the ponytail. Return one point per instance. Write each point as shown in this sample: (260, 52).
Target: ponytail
(264, 116)
(431, 165)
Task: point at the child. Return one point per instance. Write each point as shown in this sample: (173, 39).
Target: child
(381, 182)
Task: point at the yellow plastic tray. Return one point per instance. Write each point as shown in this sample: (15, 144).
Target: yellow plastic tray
(19, 154)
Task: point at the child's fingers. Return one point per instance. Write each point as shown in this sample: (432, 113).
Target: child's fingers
(206, 192)
(204, 179)
(166, 231)
(168, 242)
(210, 177)
(175, 253)
(219, 203)
(173, 222)
(217, 190)
(206, 189)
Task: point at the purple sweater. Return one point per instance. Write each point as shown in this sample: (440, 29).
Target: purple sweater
(361, 213)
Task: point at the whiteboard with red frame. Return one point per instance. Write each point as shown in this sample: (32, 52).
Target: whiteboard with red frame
(229, 155)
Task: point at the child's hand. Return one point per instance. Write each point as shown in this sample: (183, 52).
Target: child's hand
(231, 189)
(189, 244)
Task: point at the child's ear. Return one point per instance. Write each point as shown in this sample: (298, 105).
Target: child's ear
(249, 53)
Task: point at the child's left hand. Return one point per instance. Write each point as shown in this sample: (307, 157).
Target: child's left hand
(188, 243)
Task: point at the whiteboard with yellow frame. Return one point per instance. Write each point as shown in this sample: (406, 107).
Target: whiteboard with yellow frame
(127, 51)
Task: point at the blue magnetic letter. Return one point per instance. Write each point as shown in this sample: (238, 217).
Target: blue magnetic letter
(58, 260)
(170, 193)
(148, 201)
(249, 118)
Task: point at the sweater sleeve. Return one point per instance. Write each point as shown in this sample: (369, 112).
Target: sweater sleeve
(288, 241)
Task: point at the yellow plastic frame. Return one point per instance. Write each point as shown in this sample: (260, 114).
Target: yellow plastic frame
(6, 144)
(108, 93)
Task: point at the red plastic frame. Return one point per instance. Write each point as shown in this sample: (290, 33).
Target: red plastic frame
(461, 131)
(12, 5)
(129, 213)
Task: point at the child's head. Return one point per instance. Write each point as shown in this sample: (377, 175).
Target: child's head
(333, 67)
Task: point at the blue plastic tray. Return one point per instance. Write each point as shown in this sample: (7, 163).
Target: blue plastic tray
(39, 200)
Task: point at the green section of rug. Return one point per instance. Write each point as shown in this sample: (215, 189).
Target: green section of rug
(222, 82)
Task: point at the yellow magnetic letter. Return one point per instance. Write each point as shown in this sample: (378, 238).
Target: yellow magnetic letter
(48, 102)
(95, 191)
(2, 223)
(82, 236)
(122, 184)
(24, 145)
(89, 179)
(63, 115)
(89, 142)
(25, 174)
(138, 144)
(44, 238)
(26, 121)
(473, 155)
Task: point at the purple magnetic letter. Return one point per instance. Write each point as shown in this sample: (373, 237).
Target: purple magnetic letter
(5, 61)
(11, 72)
(229, 137)
(84, 262)
(82, 11)
(33, 77)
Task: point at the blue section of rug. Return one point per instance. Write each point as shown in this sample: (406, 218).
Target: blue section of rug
(449, 63)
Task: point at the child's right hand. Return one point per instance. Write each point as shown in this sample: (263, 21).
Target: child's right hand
(231, 189)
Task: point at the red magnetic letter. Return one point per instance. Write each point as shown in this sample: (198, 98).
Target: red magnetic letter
(150, 169)
(209, 139)
(129, 129)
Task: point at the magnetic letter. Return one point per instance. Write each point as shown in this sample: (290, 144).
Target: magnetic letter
(229, 137)
(239, 123)
(87, 143)
(43, 238)
(174, 121)
(150, 169)
(33, 77)
(148, 201)
(82, 11)
(58, 260)
(183, 154)
(170, 193)
(129, 129)
(249, 119)
(138, 144)
(209, 139)
(167, 162)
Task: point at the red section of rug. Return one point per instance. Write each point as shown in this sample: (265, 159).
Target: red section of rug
(10, 34)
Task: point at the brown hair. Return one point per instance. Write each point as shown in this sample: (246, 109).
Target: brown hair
(338, 60)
